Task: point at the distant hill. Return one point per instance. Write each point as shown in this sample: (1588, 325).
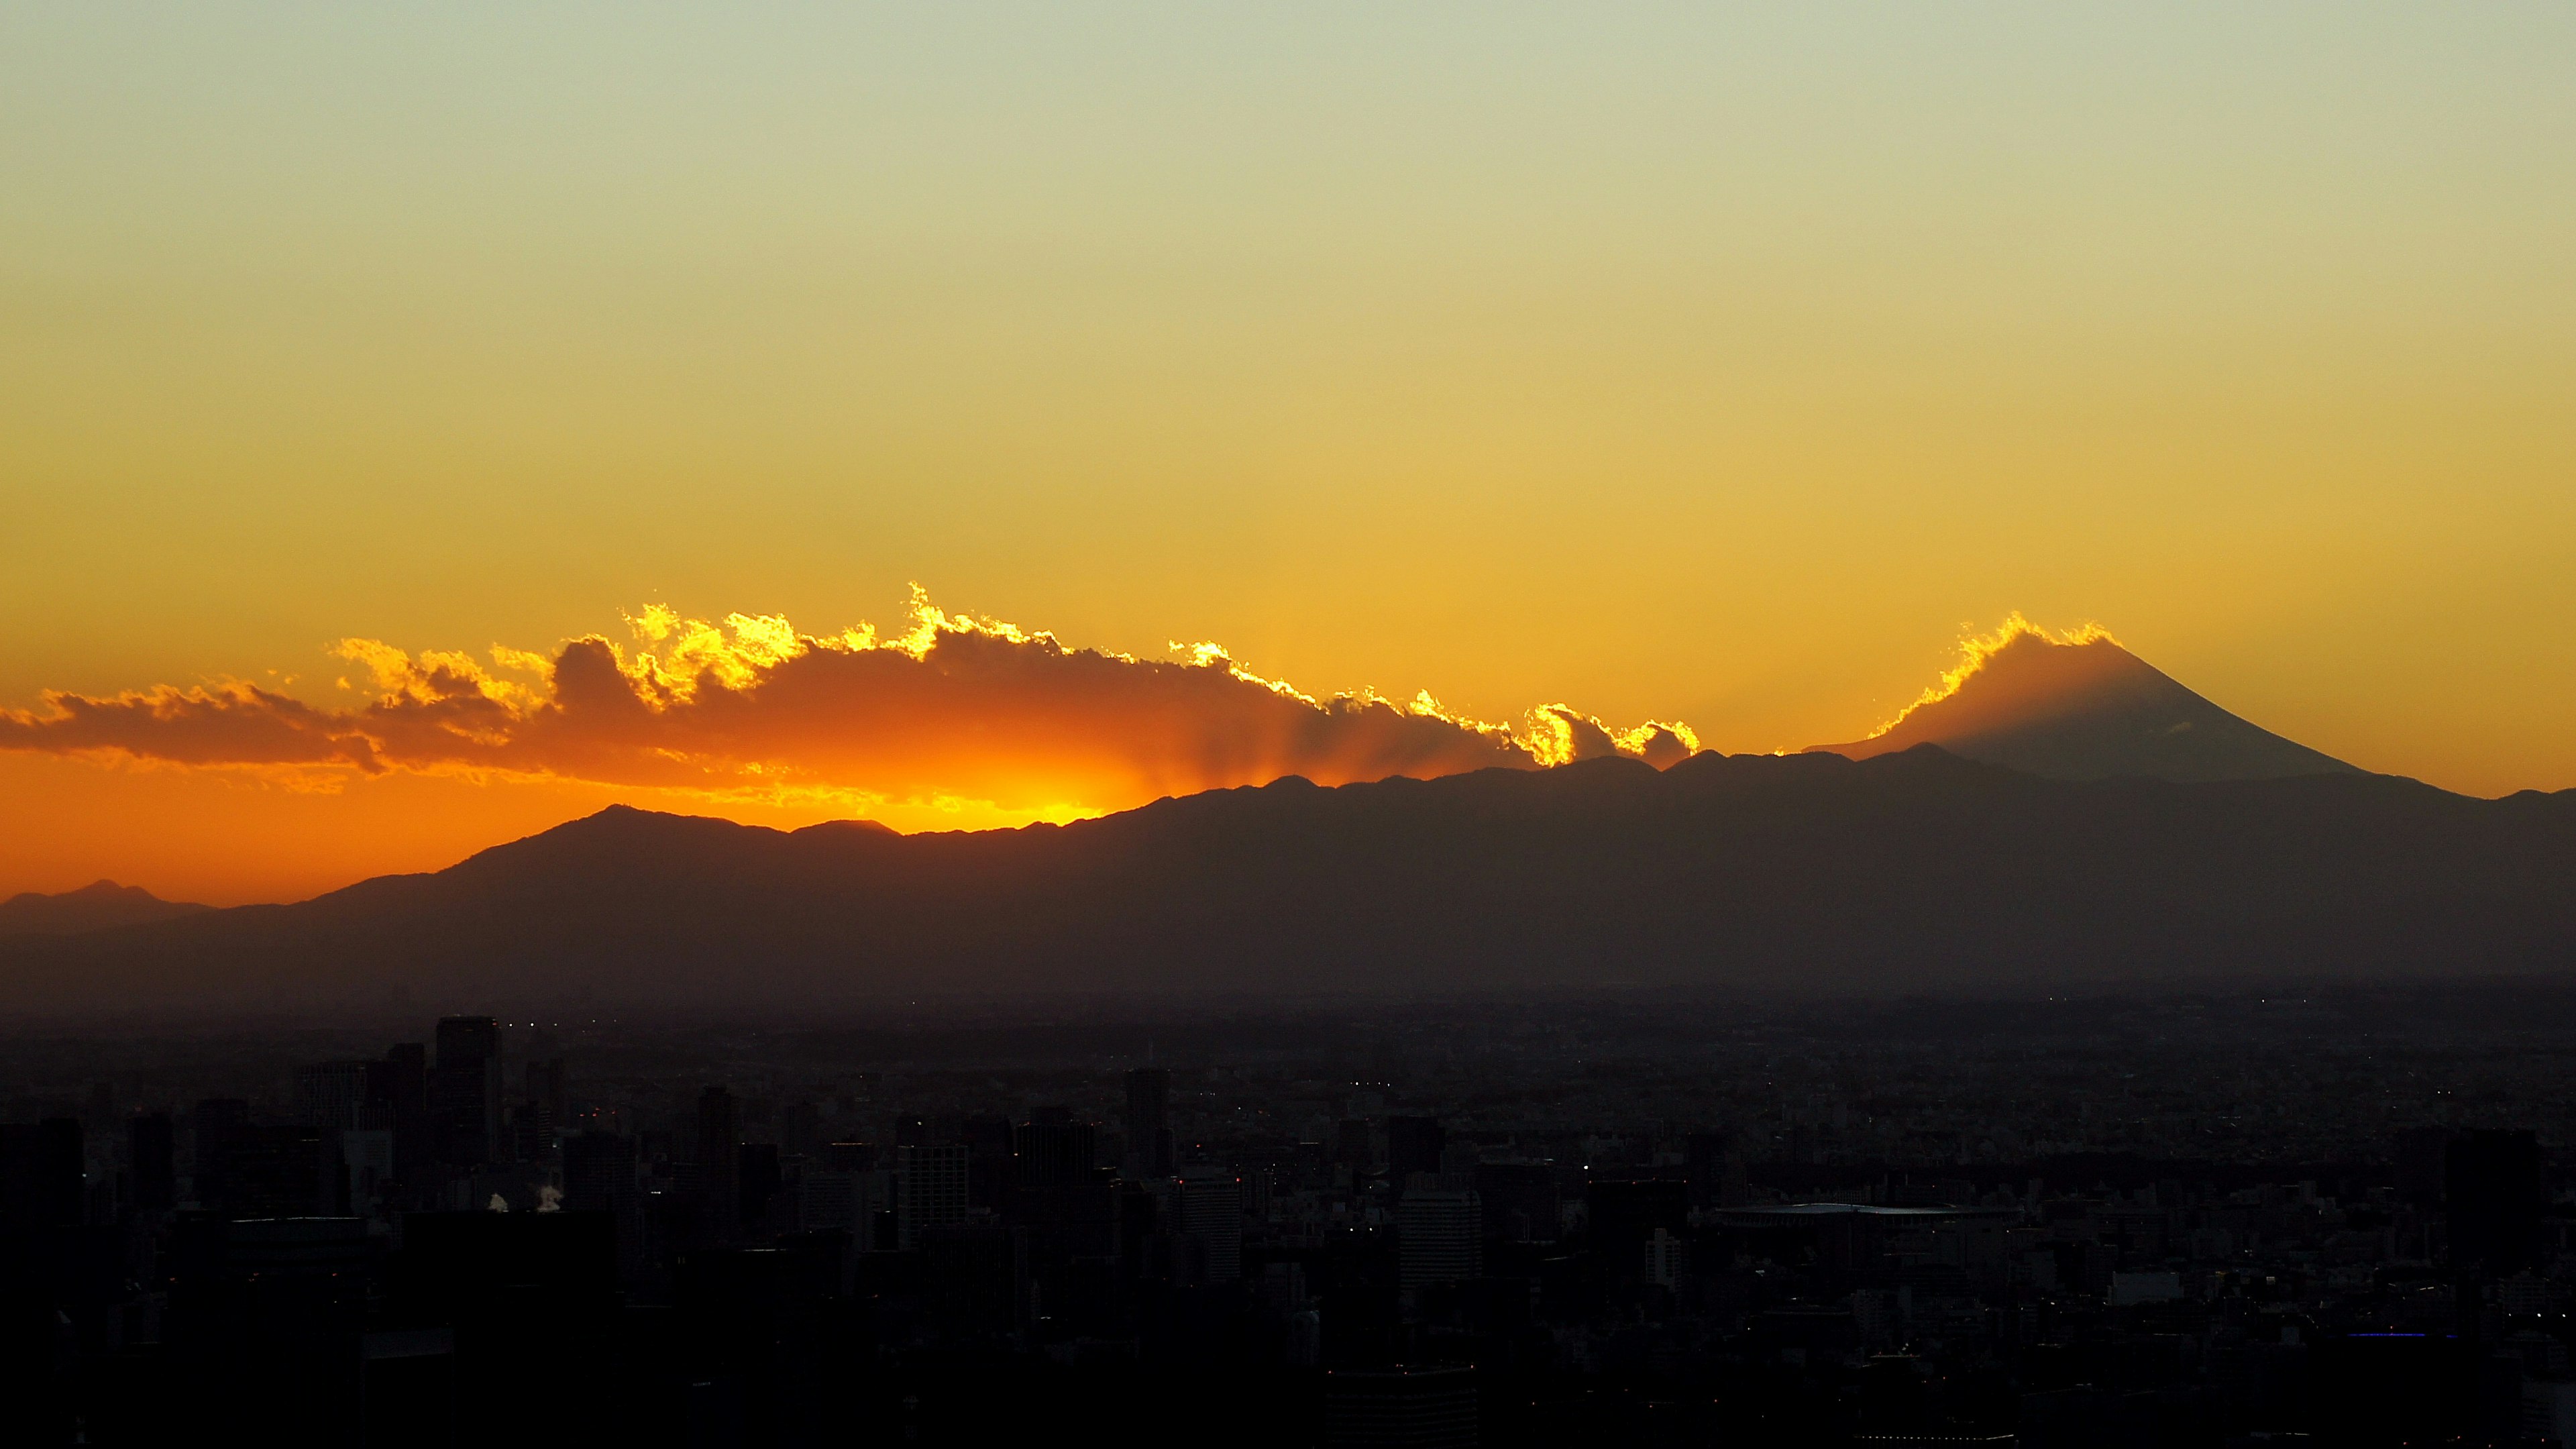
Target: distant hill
(94, 907)
(1910, 872)
(2090, 711)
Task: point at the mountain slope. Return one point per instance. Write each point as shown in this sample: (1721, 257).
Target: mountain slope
(1916, 871)
(98, 906)
(2088, 710)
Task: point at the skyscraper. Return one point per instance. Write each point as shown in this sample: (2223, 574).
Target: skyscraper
(152, 1158)
(1412, 1145)
(1149, 1122)
(546, 1100)
(465, 1089)
(1053, 1154)
(2493, 1193)
(929, 1191)
(217, 1122)
(1211, 1213)
(401, 1083)
(1440, 1237)
(1520, 1201)
(719, 1156)
(331, 1094)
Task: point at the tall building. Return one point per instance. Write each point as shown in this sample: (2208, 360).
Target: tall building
(2492, 1196)
(800, 1129)
(719, 1155)
(1354, 1145)
(1211, 1221)
(1706, 1160)
(599, 1173)
(367, 1162)
(465, 1089)
(546, 1098)
(929, 1191)
(1440, 1237)
(1668, 1259)
(332, 1094)
(217, 1121)
(284, 1171)
(1149, 1122)
(151, 1154)
(600, 1176)
(1520, 1201)
(1412, 1145)
(1053, 1154)
(401, 1083)
(988, 1159)
(757, 1179)
(41, 1177)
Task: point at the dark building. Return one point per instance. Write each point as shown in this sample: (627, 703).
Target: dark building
(401, 1083)
(2492, 1196)
(1425, 1408)
(1623, 1217)
(265, 1327)
(988, 1155)
(1354, 1146)
(151, 1153)
(1149, 1121)
(1054, 1154)
(974, 1280)
(216, 1122)
(289, 1170)
(40, 1175)
(2420, 1151)
(756, 1179)
(719, 1156)
(465, 1090)
(333, 1094)
(599, 1176)
(1704, 1167)
(538, 1119)
(800, 1129)
(1518, 1201)
(1413, 1145)
(531, 1299)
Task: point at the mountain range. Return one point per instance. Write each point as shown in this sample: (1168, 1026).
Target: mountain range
(98, 906)
(2119, 829)
(1917, 871)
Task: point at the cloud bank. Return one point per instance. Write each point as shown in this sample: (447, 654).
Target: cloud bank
(954, 708)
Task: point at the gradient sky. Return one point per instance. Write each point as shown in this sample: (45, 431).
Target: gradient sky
(1695, 362)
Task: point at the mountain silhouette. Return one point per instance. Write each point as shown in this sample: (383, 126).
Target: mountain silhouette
(2088, 710)
(97, 906)
(1918, 871)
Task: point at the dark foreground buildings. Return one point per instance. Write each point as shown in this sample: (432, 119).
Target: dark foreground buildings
(2140, 1224)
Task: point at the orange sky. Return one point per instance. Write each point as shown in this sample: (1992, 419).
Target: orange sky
(1685, 363)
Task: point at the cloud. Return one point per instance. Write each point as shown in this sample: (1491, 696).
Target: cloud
(1976, 649)
(956, 707)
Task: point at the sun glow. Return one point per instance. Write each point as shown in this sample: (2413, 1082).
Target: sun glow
(957, 720)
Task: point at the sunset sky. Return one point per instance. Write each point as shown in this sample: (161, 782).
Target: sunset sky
(1686, 364)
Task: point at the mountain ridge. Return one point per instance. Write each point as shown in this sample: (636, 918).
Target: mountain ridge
(1919, 870)
(100, 905)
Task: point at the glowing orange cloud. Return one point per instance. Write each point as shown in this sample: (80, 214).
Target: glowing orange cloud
(1975, 650)
(954, 708)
